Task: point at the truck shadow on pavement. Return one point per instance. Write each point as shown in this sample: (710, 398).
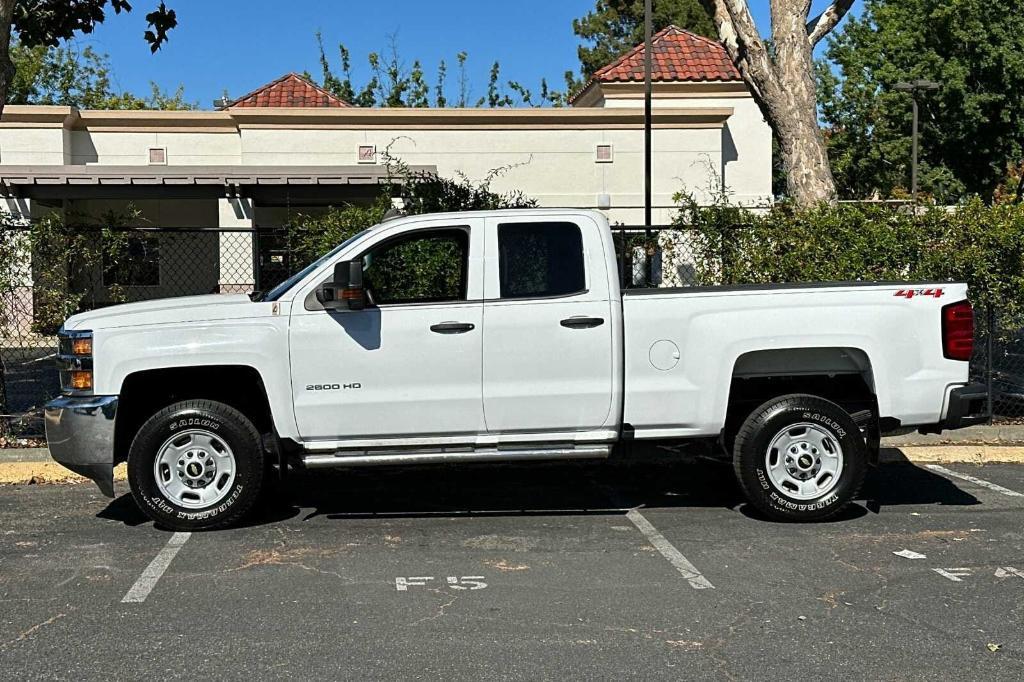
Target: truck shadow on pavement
(653, 480)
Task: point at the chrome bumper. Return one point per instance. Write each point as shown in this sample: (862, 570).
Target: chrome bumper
(80, 435)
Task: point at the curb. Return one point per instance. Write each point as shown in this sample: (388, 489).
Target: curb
(954, 454)
(29, 473)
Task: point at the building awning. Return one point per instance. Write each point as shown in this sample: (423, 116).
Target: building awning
(97, 181)
(220, 176)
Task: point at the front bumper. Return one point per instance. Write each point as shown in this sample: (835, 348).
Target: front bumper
(80, 436)
(968, 405)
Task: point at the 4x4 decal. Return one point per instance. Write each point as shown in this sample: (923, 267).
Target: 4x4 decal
(911, 293)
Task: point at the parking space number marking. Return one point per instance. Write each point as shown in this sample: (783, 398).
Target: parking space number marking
(957, 575)
(468, 582)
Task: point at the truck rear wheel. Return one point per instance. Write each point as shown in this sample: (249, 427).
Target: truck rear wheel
(196, 465)
(800, 458)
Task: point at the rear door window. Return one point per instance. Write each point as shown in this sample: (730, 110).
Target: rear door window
(537, 260)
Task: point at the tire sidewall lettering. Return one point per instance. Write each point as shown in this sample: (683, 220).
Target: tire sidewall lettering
(194, 422)
(825, 420)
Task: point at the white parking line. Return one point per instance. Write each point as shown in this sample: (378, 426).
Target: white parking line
(147, 581)
(675, 557)
(976, 481)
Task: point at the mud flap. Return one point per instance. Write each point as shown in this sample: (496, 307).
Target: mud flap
(100, 474)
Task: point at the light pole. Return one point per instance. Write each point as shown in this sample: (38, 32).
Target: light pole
(913, 88)
(648, 60)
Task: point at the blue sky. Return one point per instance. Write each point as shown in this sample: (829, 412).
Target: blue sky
(239, 45)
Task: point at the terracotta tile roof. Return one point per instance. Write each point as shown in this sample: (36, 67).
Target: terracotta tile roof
(290, 90)
(679, 55)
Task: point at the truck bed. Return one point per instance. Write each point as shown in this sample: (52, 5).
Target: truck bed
(684, 347)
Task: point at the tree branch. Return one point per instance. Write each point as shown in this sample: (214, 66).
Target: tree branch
(823, 24)
(738, 32)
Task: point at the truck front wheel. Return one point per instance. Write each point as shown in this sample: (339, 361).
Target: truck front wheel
(196, 465)
(800, 458)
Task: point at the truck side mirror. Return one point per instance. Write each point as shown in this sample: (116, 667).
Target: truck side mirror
(346, 291)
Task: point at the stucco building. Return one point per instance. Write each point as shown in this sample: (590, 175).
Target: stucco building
(290, 147)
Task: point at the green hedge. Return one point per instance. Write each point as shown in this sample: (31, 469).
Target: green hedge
(979, 244)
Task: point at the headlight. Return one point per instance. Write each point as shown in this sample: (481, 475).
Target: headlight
(82, 346)
(74, 360)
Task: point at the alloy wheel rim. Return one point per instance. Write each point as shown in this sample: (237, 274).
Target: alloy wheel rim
(194, 469)
(804, 461)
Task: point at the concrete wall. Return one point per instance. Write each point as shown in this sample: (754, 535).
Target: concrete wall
(549, 158)
(132, 148)
(556, 167)
(746, 144)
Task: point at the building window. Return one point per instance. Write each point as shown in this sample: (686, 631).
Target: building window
(135, 264)
(604, 153)
(367, 153)
(540, 259)
(158, 156)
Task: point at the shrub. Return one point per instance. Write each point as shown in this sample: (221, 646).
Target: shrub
(975, 243)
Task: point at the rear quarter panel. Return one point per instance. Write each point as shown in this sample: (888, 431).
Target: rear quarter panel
(712, 328)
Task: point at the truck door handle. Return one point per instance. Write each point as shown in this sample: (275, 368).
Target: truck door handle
(582, 322)
(452, 328)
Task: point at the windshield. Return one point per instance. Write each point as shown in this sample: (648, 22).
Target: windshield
(282, 288)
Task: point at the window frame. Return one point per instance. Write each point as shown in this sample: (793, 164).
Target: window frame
(410, 235)
(548, 297)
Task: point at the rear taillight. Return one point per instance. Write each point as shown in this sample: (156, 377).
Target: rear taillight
(958, 331)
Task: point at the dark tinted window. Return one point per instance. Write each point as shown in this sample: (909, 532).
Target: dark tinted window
(423, 267)
(540, 259)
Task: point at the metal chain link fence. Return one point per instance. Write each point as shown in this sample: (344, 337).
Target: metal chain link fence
(152, 263)
(40, 287)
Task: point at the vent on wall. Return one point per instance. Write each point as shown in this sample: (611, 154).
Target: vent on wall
(158, 156)
(367, 153)
(603, 153)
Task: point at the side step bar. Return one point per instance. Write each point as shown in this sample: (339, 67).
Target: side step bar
(362, 458)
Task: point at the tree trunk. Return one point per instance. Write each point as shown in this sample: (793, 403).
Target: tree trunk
(6, 65)
(809, 178)
(792, 109)
(782, 82)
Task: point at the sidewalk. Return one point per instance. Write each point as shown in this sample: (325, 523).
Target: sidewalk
(34, 465)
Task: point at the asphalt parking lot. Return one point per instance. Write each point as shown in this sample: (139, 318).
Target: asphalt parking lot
(651, 570)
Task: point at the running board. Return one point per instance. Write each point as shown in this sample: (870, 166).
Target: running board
(362, 458)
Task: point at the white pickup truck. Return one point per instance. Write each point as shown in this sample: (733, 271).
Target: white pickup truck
(502, 336)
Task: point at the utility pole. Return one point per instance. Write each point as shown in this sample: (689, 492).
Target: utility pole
(913, 88)
(648, 67)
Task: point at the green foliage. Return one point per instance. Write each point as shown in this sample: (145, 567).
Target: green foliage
(614, 27)
(418, 269)
(48, 22)
(392, 83)
(312, 235)
(972, 129)
(62, 260)
(67, 77)
(975, 243)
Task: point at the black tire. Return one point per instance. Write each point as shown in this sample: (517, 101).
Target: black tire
(752, 456)
(228, 425)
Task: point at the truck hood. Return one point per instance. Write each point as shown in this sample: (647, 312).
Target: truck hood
(167, 311)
